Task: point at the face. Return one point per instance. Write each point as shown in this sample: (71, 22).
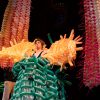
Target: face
(38, 45)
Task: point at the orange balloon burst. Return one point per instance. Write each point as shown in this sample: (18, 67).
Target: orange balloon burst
(64, 50)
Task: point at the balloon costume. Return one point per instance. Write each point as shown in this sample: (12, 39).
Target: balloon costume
(36, 77)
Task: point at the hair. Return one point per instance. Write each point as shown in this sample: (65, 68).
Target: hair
(42, 42)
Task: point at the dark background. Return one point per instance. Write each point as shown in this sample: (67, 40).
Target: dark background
(59, 17)
(55, 17)
(52, 16)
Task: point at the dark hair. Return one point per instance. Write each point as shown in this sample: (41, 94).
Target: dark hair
(42, 42)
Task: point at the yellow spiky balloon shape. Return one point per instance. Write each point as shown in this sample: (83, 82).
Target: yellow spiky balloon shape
(17, 51)
(64, 50)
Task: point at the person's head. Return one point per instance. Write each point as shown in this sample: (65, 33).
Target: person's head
(40, 44)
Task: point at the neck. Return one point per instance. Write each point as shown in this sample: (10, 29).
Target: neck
(38, 50)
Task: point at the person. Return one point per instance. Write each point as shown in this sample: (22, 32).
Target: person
(39, 50)
(9, 82)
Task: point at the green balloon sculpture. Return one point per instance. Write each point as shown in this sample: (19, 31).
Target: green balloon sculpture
(37, 81)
